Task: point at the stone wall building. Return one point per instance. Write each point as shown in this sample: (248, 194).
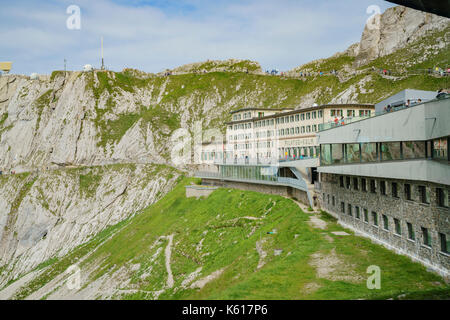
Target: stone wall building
(388, 178)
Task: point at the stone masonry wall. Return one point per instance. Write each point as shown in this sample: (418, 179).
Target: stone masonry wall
(419, 214)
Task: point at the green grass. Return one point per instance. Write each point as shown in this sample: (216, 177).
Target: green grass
(229, 243)
(89, 183)
(40, 104)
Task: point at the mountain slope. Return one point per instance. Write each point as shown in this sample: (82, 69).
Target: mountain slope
(219, 248)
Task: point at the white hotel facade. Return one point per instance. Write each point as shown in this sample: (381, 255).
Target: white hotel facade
(260, 135)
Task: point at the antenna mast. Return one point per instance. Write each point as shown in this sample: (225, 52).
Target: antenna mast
(103, 64)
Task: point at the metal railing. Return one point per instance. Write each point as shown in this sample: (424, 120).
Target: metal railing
(342, 122)
(261, 161)
(295, 183)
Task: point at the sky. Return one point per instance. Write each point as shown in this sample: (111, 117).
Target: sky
(154, 35)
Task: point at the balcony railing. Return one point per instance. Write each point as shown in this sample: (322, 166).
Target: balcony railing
(295, 183)
(260, 161)
(333, 124)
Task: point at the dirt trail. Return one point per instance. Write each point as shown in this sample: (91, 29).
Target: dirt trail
(168, 253)
(261, 252)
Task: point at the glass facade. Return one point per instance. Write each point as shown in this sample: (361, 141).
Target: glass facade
(263, 173)
(383, 151)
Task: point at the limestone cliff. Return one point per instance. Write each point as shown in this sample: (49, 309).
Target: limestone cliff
(392, 30)
(44, 215)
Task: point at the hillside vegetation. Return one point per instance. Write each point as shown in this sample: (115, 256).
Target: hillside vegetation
(232, 245)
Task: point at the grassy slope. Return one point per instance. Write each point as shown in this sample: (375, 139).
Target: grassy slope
(229, 246)
(262, 90)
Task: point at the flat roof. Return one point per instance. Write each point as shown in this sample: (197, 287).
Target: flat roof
(262, 109)
(287, 113)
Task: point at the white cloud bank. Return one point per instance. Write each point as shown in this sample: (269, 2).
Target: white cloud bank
(157, 35)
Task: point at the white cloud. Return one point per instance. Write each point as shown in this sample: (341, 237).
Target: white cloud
(281, 34)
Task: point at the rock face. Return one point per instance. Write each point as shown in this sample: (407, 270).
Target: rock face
(46, 214)
(392, 30)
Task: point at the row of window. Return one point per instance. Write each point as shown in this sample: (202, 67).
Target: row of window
(383, 151)
(245, 115)
(354, 183)
(281, 132)
(350, 113)
(363, 215)
(297, 117)
(297, 130)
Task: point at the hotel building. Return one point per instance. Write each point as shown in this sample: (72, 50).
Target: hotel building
(388, 178)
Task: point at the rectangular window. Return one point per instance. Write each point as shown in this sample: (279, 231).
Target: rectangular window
(349, 209)
(308, 116)
(394, 188)
(373, 186)
(398, 228)
(341, 181)
(411, 233)
(342, 207)
(364, 184)
(333, 200)
(442, 197)
(375, 218)
(337, 154)
(355, 183)
(413, 149)
(357, 213)
(424, 194)
(440, 149)
(352, 152)
(385, 222)
(445, 244)
(366, 215)
(383, 187)
(390, 151)
(368, 152)
(302, 116)
(408, 191)
(347, 182)
(426, 237)
(325, 154)
(297, 117)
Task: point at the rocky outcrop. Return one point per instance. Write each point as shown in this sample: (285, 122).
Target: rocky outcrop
(230, 65)
(44, 215)
(392, 30)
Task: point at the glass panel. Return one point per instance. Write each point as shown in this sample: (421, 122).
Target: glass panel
(325, 156)
(337, 155)
(390, 151)
(413, 149)
(440, 149)
(352, 152)
(368, 152)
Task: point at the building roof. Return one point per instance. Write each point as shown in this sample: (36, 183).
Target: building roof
(261, 109)
(290, 111)
(402, 96)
